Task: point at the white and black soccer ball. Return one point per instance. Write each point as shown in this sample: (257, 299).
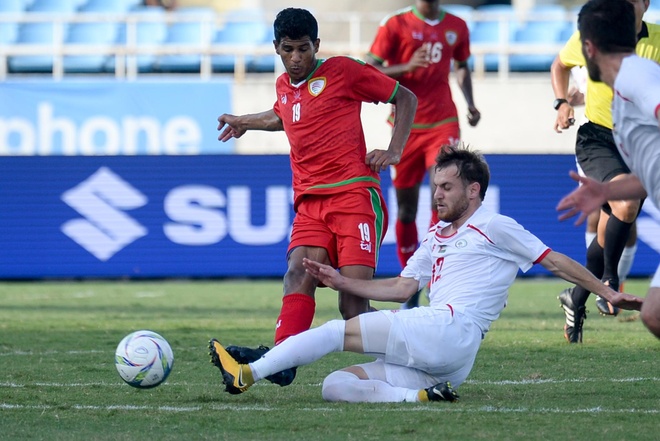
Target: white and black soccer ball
(144, 359)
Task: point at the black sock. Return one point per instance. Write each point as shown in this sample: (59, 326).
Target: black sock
(595, 264)
(616, 236)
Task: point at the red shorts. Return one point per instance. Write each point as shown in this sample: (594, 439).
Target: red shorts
(421, 152)
(349, 225)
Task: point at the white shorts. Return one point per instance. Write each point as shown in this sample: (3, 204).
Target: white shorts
(439, 342)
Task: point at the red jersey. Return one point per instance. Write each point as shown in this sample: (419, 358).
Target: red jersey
(400, 35)
(321, 118)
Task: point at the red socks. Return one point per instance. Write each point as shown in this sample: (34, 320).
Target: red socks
(295, 317)
(406, 241)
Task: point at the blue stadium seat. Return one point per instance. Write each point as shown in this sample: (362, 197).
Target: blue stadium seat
(104, 33)
(150, 30)
(490, 27)
(265, 63)
(187, 33)
(34, 34)
(540, 33)
(62, 6)
(12, 6)
(243, 27)
(115, 7)
(9, 30)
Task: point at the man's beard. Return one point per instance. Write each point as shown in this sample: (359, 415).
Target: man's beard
(456, 212)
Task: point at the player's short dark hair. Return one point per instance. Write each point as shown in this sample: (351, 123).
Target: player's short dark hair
(295, 24)
(471, 165)
(609, 24)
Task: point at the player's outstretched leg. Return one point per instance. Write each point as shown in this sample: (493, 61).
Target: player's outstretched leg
(245, 355)
(236, 377)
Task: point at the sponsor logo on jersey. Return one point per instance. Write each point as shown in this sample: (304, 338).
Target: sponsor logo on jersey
(283, 99)
(316, 86)
(451, 37)
(416, 35)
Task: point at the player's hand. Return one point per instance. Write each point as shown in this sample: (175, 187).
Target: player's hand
(232, 129)
(565, 117)
(379, 160)
(474, 116)
(626, 301)
(325, 274)
(585, 199)
(420, 58)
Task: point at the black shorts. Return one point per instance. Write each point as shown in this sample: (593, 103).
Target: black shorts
(597, 154)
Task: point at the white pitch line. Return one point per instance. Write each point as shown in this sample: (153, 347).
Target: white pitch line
(264, 384)
(261, 408)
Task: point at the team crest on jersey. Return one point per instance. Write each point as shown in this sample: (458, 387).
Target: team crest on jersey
(316, 85)
(451, 37)
(283, 98)
(461, 243)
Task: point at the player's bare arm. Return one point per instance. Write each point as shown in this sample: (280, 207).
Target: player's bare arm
(560, 75)
(592, 194)
(568, 269)
(464, 79)
(236, 126)
(395, 289)
(418, 60)
(406, 105)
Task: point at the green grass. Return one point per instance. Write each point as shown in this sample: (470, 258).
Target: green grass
(58, 382)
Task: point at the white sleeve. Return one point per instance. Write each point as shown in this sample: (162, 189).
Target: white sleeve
(514, 241)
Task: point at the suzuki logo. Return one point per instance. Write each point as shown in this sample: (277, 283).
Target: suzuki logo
(102, 199)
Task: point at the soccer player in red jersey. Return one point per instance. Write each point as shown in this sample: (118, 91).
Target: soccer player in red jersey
(417, 45)
(341, 216)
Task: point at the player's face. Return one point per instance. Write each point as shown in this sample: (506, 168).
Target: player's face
(298, 56)
(452, 196)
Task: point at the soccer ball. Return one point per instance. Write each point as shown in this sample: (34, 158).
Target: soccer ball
(144, 359)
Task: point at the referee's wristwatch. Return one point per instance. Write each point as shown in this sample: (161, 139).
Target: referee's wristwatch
(558, 102)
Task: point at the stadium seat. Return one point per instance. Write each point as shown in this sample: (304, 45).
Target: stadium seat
(103, 33)
(61, 6)
(243, 27)
(12, 6)
(8, 29)
(150, 31)
(540, 33)
(265, 63)
(115, 7)
(34, 34)
(495, 24)
(195, 33)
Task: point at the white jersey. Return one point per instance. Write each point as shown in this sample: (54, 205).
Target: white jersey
(472, 269)
(636, 101)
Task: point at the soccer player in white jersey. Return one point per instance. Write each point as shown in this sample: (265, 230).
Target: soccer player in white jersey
(608, 43)
(469, 259)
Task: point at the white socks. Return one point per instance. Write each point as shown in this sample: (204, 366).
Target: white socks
(301, 349)
(347, 387)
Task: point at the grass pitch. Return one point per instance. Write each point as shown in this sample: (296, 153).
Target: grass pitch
(58, 381)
